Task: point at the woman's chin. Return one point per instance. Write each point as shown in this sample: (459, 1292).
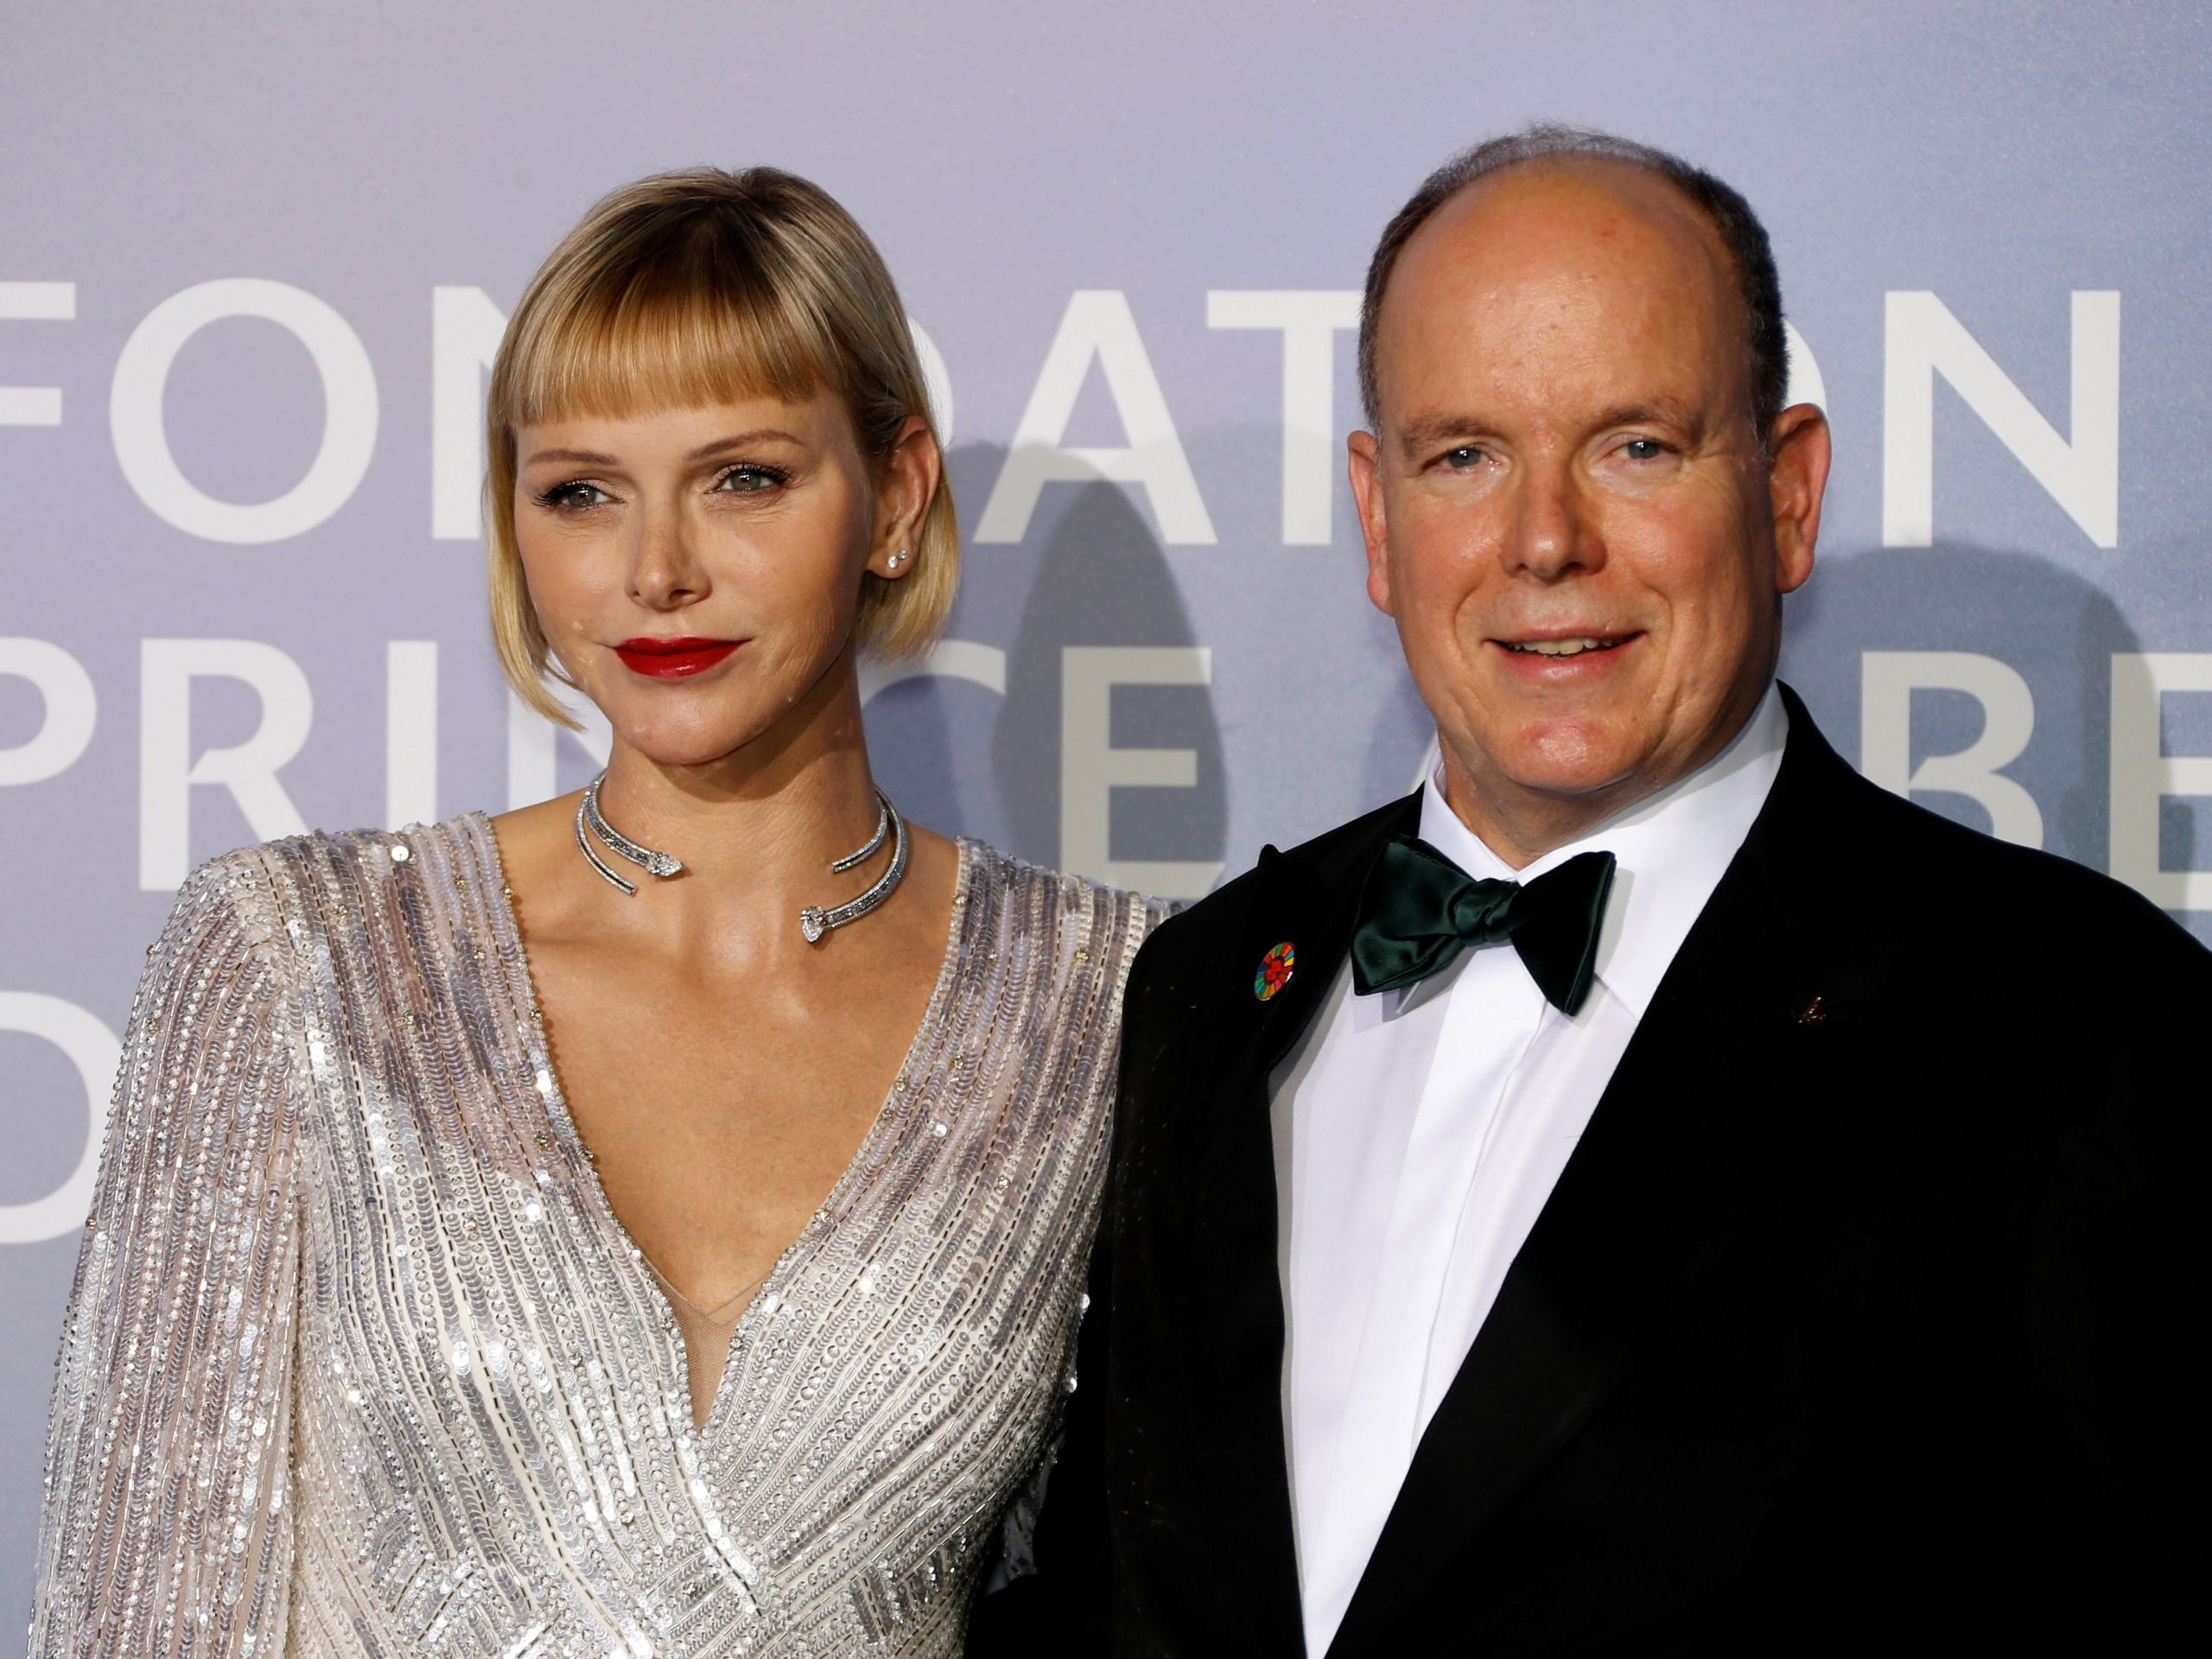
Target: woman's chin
(687, 751)
(702, 728)
(685, 743)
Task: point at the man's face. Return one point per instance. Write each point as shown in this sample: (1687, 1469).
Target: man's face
(1567, 509)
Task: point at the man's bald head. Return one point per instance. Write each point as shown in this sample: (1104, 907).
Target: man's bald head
(1742, 237)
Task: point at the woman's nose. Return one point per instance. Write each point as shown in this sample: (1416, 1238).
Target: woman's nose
(665, 574)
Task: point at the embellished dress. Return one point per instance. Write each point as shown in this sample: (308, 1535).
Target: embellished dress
(359, 1361)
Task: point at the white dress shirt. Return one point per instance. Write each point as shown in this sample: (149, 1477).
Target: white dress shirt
(1419, 1133)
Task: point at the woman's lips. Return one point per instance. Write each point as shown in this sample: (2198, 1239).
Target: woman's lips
(673, 659)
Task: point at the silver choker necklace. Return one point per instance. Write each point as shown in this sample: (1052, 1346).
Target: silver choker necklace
(813, 921)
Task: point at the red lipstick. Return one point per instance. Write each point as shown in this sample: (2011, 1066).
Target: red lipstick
(673, 659)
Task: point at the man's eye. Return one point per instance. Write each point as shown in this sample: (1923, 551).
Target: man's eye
(574, 495)
(749, 479)
(1643, 449)
(1464, 456)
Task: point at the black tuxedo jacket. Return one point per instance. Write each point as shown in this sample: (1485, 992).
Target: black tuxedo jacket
(1869, 1311)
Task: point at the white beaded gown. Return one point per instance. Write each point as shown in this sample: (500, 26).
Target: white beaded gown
(359, 1361)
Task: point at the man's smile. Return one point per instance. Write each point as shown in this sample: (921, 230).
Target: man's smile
(1554, 656)
(1572, 645)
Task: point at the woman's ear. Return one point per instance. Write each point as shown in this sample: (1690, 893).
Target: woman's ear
(906, 485)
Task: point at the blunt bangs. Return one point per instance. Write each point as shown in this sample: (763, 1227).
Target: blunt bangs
(633, 328)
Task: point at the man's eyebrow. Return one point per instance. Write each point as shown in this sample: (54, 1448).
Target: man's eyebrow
(1428, 430)
(1658, 411)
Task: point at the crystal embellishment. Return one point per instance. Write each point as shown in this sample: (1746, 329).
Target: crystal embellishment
(590, 819)
(814, 921)
(594, 831)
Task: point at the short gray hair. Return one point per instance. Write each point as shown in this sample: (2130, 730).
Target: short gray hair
(1731, 216)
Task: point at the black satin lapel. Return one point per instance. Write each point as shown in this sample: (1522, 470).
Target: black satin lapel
(1317, 923)
(1680, 1143)
(1234, 1269)
(1312, 912)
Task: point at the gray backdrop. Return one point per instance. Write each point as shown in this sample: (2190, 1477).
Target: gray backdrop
(252, 259)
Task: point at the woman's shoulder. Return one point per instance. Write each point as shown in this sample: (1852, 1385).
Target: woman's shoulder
(1036, 900)
(296, 888)
(1047, 951)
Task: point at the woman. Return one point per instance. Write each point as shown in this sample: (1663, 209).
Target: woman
(650, 1222)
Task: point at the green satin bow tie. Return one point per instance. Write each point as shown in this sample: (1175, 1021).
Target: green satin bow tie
(1419, 909)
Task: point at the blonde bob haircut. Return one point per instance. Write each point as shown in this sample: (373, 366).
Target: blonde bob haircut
(705, 287)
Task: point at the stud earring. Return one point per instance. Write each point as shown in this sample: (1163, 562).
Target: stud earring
(898, 558)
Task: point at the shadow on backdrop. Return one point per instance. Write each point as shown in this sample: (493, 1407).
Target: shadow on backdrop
(1101, 580)
(1404, 744)
(2058, 631)
(929, 734)
(912, 753)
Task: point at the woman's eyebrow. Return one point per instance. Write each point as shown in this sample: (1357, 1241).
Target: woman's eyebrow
(739, 440)
(579, 457)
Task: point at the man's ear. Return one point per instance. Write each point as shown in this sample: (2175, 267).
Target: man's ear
(1361, 466)
(1797, 480)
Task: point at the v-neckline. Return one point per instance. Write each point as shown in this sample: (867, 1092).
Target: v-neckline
(768, 1295)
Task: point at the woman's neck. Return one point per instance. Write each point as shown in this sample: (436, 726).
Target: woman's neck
(756, 830)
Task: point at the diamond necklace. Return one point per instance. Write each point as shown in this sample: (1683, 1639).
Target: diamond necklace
(814, 921)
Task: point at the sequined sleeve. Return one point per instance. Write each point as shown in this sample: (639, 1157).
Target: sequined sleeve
(167, 1526)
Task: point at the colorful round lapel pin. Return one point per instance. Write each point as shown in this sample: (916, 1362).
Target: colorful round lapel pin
(1275, 969)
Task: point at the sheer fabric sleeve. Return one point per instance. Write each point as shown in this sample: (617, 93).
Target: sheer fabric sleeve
(167, 1524)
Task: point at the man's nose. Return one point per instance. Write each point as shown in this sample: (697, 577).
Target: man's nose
(1552, 533)
(664, 573)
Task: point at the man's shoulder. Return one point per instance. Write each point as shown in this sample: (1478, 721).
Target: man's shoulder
(2025, 894)
(1967, 892)
(1330, 863)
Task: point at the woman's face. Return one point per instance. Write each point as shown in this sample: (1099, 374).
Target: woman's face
(698, 571)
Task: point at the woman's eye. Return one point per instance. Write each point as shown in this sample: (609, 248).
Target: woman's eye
(749, 481)
(574, 496)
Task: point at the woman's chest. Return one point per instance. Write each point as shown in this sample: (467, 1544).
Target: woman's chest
(488, 1371)
(720, 1117)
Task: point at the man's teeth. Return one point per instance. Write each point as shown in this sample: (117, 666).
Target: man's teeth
(1563, 647)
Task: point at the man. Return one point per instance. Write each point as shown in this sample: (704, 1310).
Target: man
(1652, 1191)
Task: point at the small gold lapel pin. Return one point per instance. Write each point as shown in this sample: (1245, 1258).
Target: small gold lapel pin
(1815, 1014)
(1275, 969)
